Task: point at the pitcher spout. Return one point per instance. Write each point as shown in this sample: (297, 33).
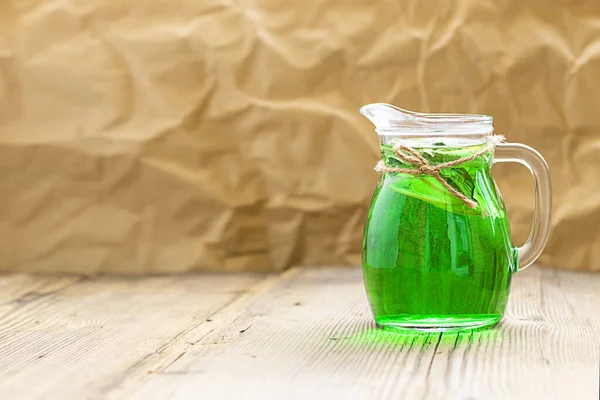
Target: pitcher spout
(386, 115)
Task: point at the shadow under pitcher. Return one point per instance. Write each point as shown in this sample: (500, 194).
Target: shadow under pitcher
(437, 251)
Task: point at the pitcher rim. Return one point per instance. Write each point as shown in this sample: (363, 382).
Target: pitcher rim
(392, 120)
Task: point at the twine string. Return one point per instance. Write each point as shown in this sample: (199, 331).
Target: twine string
(421, 165)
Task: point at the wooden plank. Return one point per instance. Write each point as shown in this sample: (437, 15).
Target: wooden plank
(158, 362)
(14, 286)
(19, 294)
(80, 337)
(312, 336)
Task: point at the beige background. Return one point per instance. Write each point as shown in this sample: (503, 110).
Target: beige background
(164, 136)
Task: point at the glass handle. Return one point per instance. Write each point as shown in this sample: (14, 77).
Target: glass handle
(529, 157)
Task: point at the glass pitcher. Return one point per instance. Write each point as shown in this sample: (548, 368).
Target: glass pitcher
(437, 251)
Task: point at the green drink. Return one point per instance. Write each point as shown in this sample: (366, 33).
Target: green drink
(437, 251)
(429, 261)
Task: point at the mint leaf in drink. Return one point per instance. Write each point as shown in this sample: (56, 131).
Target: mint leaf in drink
(460, 180)
(389, 157)
(458, 176)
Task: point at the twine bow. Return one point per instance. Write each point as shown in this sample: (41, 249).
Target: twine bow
(423, 167)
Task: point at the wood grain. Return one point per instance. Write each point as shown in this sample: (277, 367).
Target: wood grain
(311, 336)
(89, 337)
(307, 333)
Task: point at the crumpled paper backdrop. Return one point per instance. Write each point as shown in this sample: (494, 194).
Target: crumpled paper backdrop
(165, 136)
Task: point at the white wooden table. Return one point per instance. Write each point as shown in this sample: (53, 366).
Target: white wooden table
(304, 334)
